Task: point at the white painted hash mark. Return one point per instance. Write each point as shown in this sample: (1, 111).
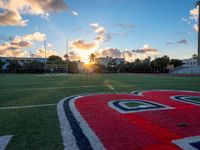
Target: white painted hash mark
(26, 106)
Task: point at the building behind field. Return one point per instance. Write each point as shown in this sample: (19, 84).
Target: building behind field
(22, 61)
(190, 66)
(105, 61)
(192, 62)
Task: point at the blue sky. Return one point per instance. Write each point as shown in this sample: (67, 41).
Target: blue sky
(132, 24)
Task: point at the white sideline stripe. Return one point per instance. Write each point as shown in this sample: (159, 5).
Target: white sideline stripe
(69, 141)
(28, 106)
(4, 140)
(95, 142)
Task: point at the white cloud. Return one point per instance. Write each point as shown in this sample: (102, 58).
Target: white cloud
(101, 37)
(37, 36)
(111, 52)
(195, 27)
(11, 18)
(49, 45)
(74, 56)
(129, 55)
(146, 49)
(13, 53)
(100, 30)
(15, 48)
(194, 13)
(74, 13)
(13, 9)
(41, 53)
(145, 52)
(188, 21)
(182, 41)
(124, 25)
(82, 45)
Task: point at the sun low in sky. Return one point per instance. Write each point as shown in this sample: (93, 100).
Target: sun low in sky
(119, 28)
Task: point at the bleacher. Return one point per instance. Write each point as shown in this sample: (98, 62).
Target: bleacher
(186, 70)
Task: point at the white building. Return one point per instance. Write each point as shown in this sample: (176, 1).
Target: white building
(106, 60)
(80, 66)
(103, 61)
(189, 66)
(118, 61)
(189, 62)
(20, 60)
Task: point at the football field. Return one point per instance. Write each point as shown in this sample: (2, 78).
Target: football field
(28, 103)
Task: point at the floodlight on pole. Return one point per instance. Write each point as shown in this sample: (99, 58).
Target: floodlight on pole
(45, 53)
(198, 58)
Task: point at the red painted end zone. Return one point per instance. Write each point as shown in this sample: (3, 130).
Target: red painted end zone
(147, 130)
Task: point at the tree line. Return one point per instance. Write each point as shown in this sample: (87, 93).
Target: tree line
(53, 64)
(57, 64)
(158, 65)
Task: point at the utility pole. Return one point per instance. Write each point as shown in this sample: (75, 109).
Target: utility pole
(30, 53)
(67, 53)
(198, 57)
(45, 53)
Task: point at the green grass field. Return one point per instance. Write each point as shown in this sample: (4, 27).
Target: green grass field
(38, 128)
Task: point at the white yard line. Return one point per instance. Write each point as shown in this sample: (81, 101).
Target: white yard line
(26, 106)
(67, 87)
(90, 86)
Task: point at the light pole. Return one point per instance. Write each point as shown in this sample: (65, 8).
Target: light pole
(198, 57)
(30, 53)
(67, 53)
(45, 53)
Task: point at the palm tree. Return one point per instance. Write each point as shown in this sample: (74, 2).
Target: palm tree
(66, 57)
(92, 57)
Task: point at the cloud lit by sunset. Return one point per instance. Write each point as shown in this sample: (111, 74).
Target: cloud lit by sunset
(98, 27)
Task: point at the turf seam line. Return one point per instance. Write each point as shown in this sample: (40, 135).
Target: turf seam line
(26, 106)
